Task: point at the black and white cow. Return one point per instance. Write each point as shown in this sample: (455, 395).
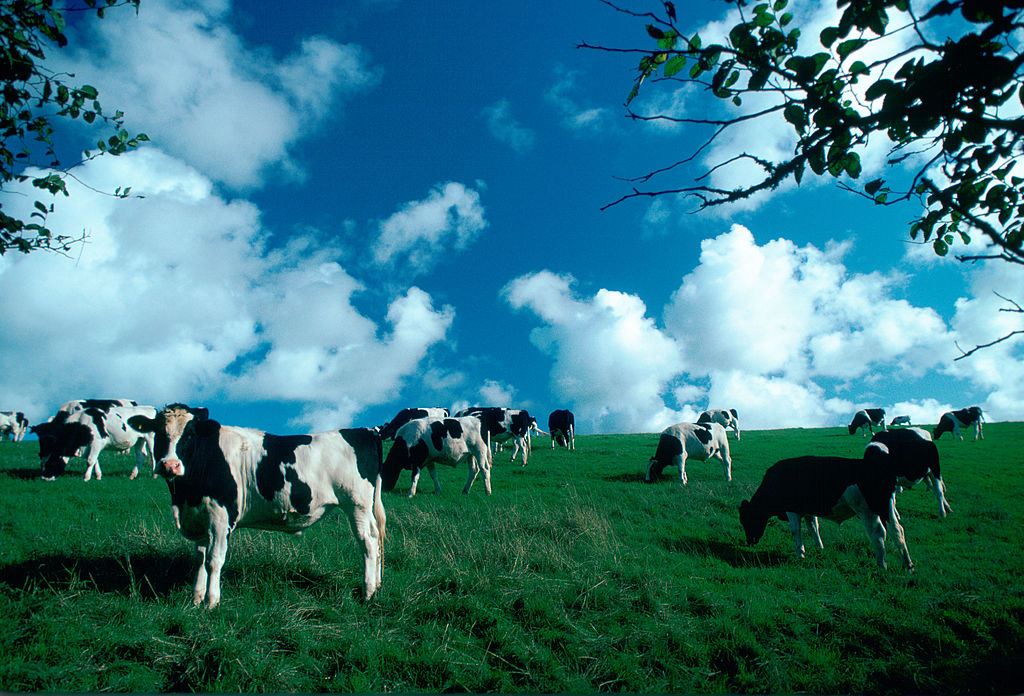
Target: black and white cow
(915, 446)
(952, 421)
(77, 405)
(831, 488)
(222, 477)
(727, 418)
(388, 430)
(422, 442)
(682, 441)
(867, 419)
(899, 420)
(499, 425)
(562, 427)
(86, 433)
(13, 424)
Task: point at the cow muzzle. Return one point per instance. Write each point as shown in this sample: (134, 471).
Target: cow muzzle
(171, 468)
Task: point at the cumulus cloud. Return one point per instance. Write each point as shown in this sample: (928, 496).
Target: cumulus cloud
(450, 217)
(178, 296)
(504, 126)
(191, 84)
(575, 116)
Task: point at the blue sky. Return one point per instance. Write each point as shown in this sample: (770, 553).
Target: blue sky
(356, 207)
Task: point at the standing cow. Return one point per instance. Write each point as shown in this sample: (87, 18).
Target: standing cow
(222, 477)
(388, 430)
(423, 442)
(727, 418)
(700, 441)
(915, 448)
(952, 421)
(866, 420)
(562, 427)
(499, 425)
(13, 424)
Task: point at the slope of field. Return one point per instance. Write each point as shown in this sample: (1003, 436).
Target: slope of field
(574, 576)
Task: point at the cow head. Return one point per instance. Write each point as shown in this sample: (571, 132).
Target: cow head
(177, 430)
(58, 442)
(753, 522)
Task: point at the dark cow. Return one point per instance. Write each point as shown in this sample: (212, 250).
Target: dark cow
(833, 488)
(562, 427)
(422, 442)
(86, 433)
(867, 419)
(13, 424)
(500, 425)
(682, 441)
(952, 421)
(388, 430)
(915, 446)
(727, 418)
(222, 478)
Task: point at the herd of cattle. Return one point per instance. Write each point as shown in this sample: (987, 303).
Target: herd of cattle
(223, 477)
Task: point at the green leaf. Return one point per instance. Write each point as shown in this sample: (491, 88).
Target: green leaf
(795, 114)
(880, 88)
(88, 91)
(940, 247)
(655, 32)
(674, 65)
(847, 47)
(828, 36)
(871, 188)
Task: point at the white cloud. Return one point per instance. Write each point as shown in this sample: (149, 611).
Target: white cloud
(451, 216)
(506, 128)
(575, 117)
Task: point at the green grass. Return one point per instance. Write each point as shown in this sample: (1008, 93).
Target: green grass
(574, 576)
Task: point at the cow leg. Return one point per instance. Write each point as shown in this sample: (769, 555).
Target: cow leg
(901, 541)
(681, 463)
(876, 535)
(726, 464)
(367, 532)
(415, 479)
(940, 494)
(433, 475)
(199, 589)
(794, 528)
(216, 553)
(474, 469)
(572, 439)
(812, 526)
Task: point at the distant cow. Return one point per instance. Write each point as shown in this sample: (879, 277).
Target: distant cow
(13, 424)
(424, 441)
(727, 418)
(222, 477)
(72, 407)
(832, 488)
(500, 425)
(914, 447)
(562, 427)
(388, 430)
(899, 420)
(952, 421)
(700, 441)
(867, 419)
(86, 433)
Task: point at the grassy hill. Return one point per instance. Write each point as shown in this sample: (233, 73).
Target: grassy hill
(574, 576)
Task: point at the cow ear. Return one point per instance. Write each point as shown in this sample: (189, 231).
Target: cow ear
(142, 423)
(205, 428)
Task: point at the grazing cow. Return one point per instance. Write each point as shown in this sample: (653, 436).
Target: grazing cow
(13, 424)
(700, 441)
(832, 488)
(500, 425)
(952, 421)
(388, 430)
(913, 447)
(866, 419)
(562, 426)
(424, 441)
(727, 418)
(88, 432)
(222, 478)
(899, 420)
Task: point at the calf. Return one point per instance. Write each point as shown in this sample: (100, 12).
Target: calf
(952, 421)
(917, 457)
(222, 477)
(728, 419)
(86, 433)
(867, 419)
(562, 427)
(13, 424)
(700, 441)
(832, 488)
(388, 430)
(499, 425)
(423, 442)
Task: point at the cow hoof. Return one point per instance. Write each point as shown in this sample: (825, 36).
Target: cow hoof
(48, 478)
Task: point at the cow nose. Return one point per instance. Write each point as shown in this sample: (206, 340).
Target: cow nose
(170, 468)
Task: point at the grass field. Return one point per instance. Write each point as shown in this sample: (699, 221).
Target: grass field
(574, 576)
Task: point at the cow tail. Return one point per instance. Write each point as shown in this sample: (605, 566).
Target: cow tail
(378, 509)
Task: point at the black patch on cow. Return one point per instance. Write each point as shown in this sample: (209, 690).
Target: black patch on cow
(397, 461)
(440, 429)
(561, 420)
(103, 404)
(99, 420)
(301, 495)
(207, 472)
(418, 454)
(521, 422)
(703, 434)
(272, 468)
(369, 451)
(669, 447)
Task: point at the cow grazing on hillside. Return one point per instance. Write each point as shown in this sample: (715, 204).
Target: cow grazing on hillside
(867, 419)
(500, 425)
(562, 427)
(952, 421)
(388, 430)
(86, 433)
(423, 442)
(832, 488)
(13, 424)
(727, 418)
(700, 441)
(222, 477)
(899, 420)
(915, 448)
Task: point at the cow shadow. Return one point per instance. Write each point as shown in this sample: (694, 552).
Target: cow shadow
(25, 474)
(736, 554)
(632, 477)
(148, 575)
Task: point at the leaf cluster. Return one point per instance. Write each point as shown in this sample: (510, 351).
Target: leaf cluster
(34, 102)
(948, 102)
